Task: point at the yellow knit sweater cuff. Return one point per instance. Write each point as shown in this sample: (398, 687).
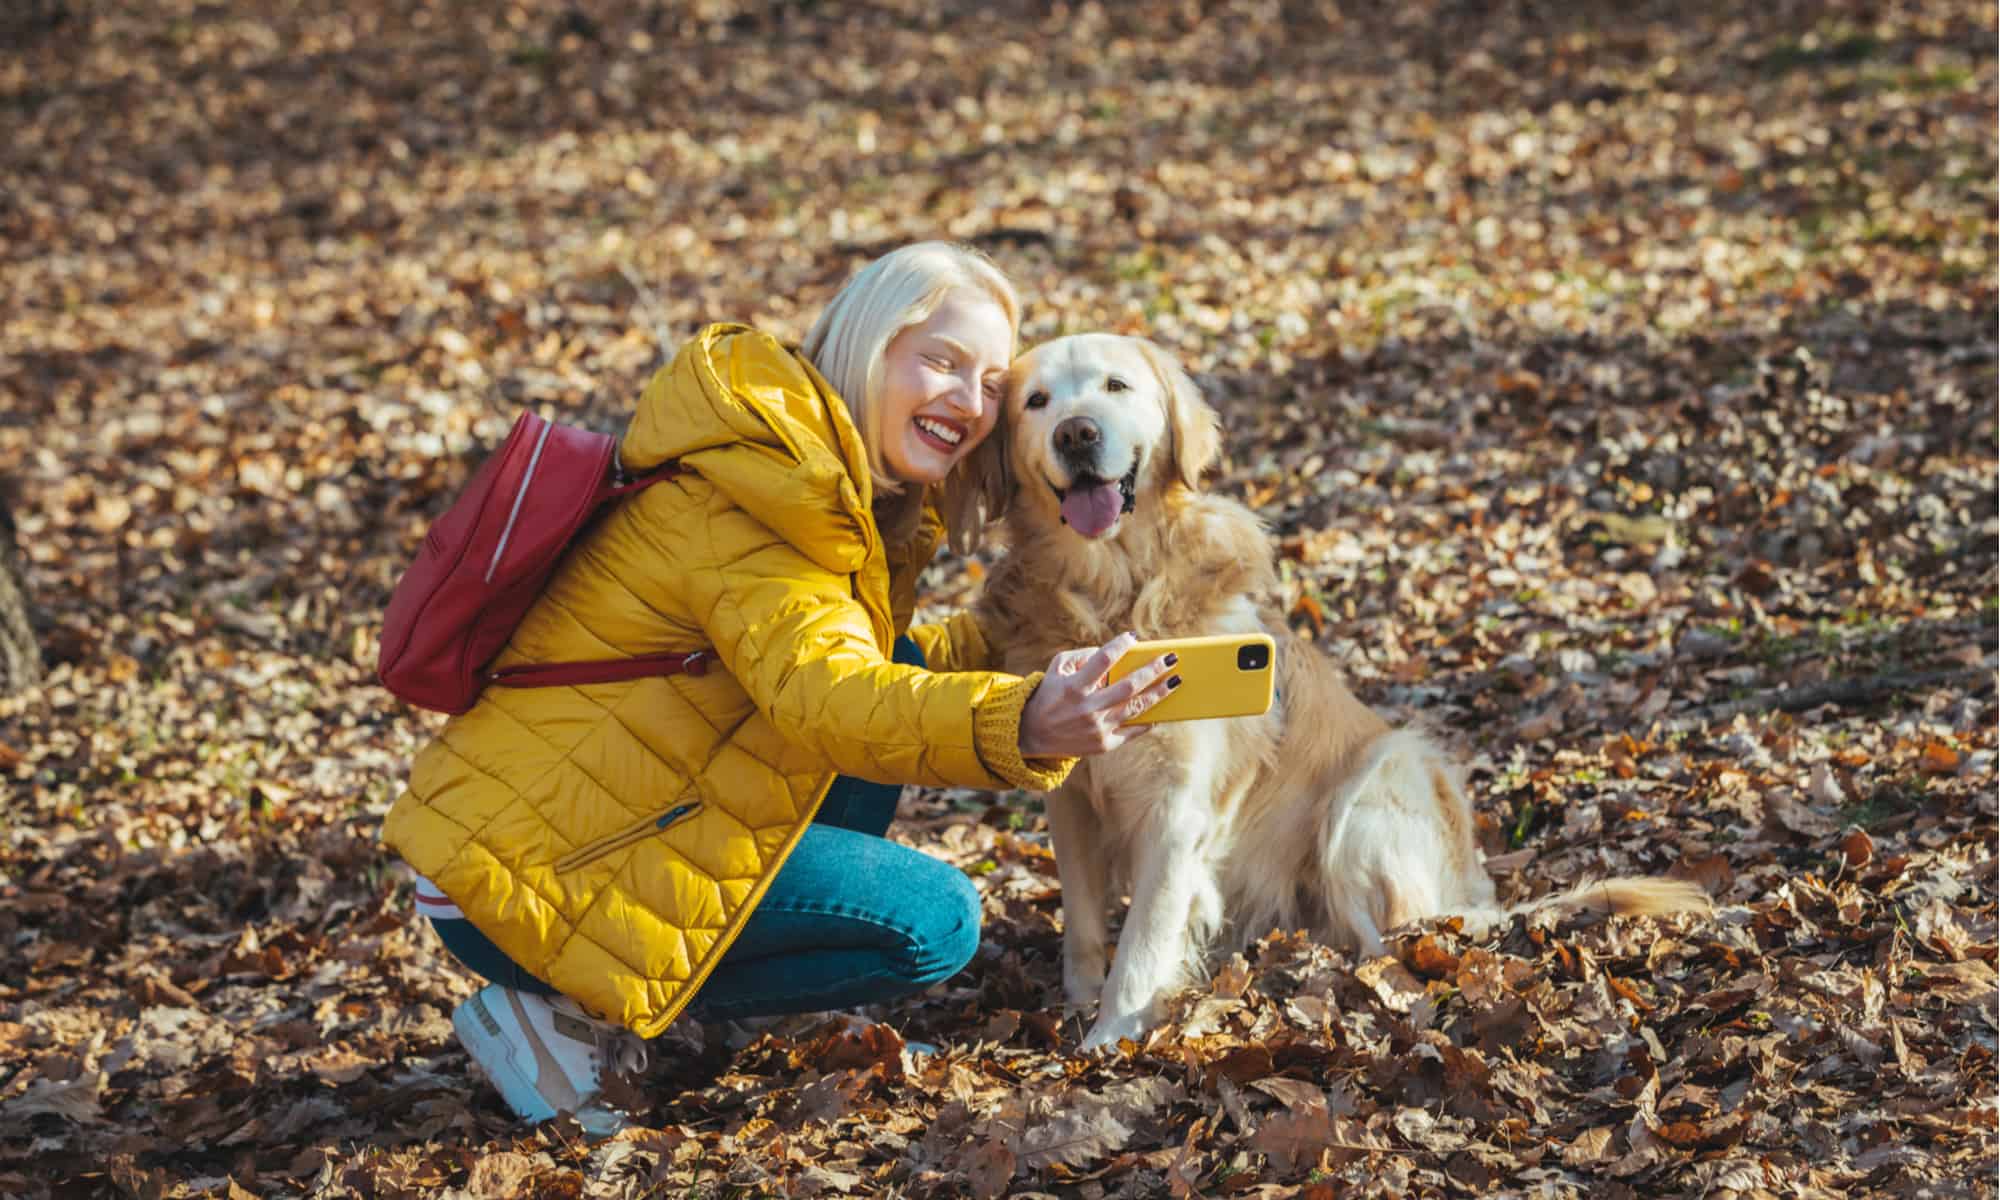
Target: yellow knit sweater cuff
(996, 731)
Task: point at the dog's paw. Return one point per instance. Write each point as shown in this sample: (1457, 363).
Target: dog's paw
(1082, 989)
(1110, 1028)
(1084, 970)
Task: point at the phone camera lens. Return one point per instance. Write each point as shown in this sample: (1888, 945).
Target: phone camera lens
(1253, 658)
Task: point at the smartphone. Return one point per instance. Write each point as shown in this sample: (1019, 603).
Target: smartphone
(1229, 675)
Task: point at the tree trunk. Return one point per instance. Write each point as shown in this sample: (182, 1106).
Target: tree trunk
(20, 658)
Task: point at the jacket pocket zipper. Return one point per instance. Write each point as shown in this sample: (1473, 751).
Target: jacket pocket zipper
(583, 856)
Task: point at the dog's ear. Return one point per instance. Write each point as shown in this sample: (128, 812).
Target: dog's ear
(1194, 431)
(978, 490)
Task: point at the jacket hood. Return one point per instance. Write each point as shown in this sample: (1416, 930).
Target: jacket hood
(759, 423)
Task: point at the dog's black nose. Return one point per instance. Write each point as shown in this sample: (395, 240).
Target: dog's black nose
(1078, 435)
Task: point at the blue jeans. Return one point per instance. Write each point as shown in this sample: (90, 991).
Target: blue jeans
(852, 918)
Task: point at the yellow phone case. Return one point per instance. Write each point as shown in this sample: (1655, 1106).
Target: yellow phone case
(1229, 675)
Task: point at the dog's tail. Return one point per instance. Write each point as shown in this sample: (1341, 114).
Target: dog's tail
(1647, 896)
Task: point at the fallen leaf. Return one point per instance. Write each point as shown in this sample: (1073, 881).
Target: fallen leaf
(1296, 1095)
(1939, 759)
(1231, 978)
(506, 1174)
(110, 514)
(1858, 848)
(1294, 1139)
(74, 1100)
(1391, 982)
(1970, 981)
(989, 1169)
(1518, 385)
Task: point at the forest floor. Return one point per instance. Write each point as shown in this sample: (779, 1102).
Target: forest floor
(1618, 382)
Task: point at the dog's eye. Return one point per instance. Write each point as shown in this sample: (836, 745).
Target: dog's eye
(1038, 399)
(1115, 384)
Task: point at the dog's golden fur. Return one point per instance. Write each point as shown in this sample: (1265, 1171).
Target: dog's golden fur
(1317, 815)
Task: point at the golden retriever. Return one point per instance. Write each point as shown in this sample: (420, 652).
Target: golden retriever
(1316, 815)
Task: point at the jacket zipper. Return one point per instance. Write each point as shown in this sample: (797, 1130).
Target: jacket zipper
(583, 856)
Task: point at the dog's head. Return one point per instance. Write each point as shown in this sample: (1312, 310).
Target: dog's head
(1099, 425)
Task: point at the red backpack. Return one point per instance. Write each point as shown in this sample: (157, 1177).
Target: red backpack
(487, 558)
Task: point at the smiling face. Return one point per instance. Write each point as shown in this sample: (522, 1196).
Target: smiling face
(942, 382)
(1088, 417)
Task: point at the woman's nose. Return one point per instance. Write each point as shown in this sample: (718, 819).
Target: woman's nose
(969, 396)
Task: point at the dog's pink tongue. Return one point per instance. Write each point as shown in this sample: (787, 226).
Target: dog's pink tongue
(1091, 511)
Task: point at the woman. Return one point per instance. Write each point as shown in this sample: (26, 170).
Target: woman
(608, 855)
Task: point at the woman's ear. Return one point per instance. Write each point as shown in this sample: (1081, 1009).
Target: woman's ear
(1194, 431)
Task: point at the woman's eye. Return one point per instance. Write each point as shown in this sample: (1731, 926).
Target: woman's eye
(1115, 384)
(1038, 399)
(939, 361)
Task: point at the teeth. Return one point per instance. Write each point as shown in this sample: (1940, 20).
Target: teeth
(943, 433)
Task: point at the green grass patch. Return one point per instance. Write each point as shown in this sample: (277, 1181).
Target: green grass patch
(1525, 820)
(1812, 51)
(1887, 802)
(1942, 79)
(1133, 268)
(1880, 235)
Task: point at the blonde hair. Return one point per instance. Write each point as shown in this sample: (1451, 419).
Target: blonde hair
(847, 344)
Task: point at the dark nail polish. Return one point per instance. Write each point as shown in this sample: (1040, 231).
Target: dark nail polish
(1173, 659)
(1173, 681)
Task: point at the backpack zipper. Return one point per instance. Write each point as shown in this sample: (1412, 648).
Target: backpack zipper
(520, 494)
(584, 855)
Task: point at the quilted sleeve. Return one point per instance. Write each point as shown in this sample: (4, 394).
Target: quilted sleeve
(954, 644)
(797, 641)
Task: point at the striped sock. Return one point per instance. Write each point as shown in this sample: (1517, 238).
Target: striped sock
(435, 904)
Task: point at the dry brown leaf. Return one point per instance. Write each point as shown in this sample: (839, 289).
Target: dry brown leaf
(111, 514)
(1522, 385)
(1391, 982)
(1939, 759)
(1712, 872)
(1937, 926)
(503, 1175)
(1231, 978)
(1426, 957)
(1970, 981)
(1307, 608)
(75, 1100)
(1071, 1137)
(1546, 723)
(1296, 1095)
(266, 327)
(1001, 1026)
(1294, 1139)
(989, 1169)
(1242, 1064)
(1858, 848)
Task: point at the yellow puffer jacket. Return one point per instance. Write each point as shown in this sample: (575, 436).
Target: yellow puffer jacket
(614, 838)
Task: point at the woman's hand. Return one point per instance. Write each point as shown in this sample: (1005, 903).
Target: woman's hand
(1074, 713)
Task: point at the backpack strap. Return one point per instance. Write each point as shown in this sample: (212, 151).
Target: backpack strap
(608, 670)
(622, 484)
(602, 670)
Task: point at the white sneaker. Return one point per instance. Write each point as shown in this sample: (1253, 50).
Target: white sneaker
(544, 1053)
